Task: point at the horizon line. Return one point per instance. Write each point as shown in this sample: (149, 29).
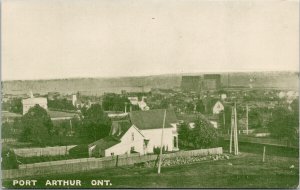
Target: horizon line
(150, 75)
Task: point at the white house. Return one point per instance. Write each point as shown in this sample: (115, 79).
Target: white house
(281, 94)
(133, 100)
(31, 102)
(124, 138)
(140, 134)
(142, 104)
(223, 96)
(218, 107)
(150, 124)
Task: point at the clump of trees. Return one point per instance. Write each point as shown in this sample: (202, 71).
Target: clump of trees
(14, 105)
(284, 123)
(202, 135)
(114, 102)
(36, 126)
(95, 124)
(9, 160)
(61, 104)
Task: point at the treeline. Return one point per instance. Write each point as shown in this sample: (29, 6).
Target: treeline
(115, 102)
(61, 104)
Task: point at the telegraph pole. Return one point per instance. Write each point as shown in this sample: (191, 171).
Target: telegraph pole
(224, 119)
(234, 132)
(236, 150)
(231, 129)
(247, 121)
(161, 144)
(71, 127)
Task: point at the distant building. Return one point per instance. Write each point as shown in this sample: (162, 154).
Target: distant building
(31, 102)
(74, 100)
(198, 83)
(133, 100)
(191, 83)
(212, 81)
(53, 95)
(218, 107)
(223, 96)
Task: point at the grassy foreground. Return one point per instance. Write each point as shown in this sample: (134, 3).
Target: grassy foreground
(244, 171)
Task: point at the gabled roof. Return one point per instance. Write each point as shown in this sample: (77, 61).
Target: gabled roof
(105, 143)
(152, 119)
(119, 128)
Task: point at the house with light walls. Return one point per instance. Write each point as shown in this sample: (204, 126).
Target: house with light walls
(140, 133)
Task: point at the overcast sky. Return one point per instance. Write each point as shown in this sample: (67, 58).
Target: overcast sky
(105, 38)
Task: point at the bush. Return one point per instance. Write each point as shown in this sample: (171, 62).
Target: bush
(80, 151)
(9, 160)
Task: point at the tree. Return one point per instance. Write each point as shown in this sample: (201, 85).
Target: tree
(96, 123)
(255, 119)
(190, 107)
(200, 107)
(284, 123)
(114, 102)
(203, 135)
(16, 105)
(37, 126)
(6, 130)
(61, 104)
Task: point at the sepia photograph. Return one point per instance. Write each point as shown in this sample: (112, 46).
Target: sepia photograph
(149, 94)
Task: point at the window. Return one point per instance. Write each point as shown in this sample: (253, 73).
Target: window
(112, 154)
(132, 136)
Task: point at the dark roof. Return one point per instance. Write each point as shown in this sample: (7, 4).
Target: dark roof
(152, 119)
(105, 143)
(119, 128)
(58, 114)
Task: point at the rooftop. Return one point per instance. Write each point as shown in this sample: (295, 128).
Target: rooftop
(60, 114)
(152, 119)
(105, 143)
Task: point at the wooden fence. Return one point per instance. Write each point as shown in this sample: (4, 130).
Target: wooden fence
(79, 165)
(47, 151)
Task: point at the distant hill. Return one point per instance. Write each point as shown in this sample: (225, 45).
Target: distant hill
(97, 86)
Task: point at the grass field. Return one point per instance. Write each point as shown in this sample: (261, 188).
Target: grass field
(244, 171)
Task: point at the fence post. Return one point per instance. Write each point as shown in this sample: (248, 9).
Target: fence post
(117, 160)
(264, 154)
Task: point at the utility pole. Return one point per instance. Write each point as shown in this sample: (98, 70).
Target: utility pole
(71, 127)
(224, 119)
(247, 121)
(236, 151)
(231, 130)
(161, 144)
(234, 132)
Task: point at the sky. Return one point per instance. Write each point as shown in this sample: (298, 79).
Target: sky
(45, 39)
